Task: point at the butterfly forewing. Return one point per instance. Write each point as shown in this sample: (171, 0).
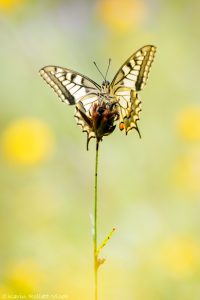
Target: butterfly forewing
(134, 72)
(69, 85)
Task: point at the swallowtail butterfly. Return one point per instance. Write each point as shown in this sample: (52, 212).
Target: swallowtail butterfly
(76, 89)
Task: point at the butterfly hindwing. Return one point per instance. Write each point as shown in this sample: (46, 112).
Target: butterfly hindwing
(69, 85)
(130, 114)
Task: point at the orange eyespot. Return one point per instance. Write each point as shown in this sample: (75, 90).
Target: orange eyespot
(121, 126)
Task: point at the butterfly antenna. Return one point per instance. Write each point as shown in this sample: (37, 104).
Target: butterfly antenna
(108, 67)
(98, 69)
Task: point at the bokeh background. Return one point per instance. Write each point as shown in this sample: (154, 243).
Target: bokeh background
(148, 189)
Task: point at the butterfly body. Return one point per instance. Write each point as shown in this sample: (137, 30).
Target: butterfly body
(97, 108)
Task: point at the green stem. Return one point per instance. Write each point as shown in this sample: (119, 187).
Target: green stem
(95, 225)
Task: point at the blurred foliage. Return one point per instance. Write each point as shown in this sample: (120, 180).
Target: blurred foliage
(149, 188)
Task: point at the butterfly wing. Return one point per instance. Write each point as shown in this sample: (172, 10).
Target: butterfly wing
(130, 79)
(69, 85)
(134, 72)
(74, 88)
(130, 114)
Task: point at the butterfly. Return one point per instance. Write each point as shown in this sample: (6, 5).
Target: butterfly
(97, 107)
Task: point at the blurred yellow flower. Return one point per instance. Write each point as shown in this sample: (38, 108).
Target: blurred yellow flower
(180, 257)
(4, 291)
(187, 170)
(9, 5)
(121, 15)
(25, 277)
(27, 141)
(188, 123)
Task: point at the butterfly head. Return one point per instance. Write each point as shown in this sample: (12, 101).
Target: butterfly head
(105, 86)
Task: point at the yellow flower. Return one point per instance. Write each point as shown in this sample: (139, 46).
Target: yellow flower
(9, 5)
(27, 141)
(188, 123)
(121, 15)
(25, 277)
(180, 257)
(4, 290)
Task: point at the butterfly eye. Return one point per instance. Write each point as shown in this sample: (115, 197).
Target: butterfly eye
(105, 83)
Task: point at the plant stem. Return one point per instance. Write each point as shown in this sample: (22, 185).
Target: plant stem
(95, 225)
